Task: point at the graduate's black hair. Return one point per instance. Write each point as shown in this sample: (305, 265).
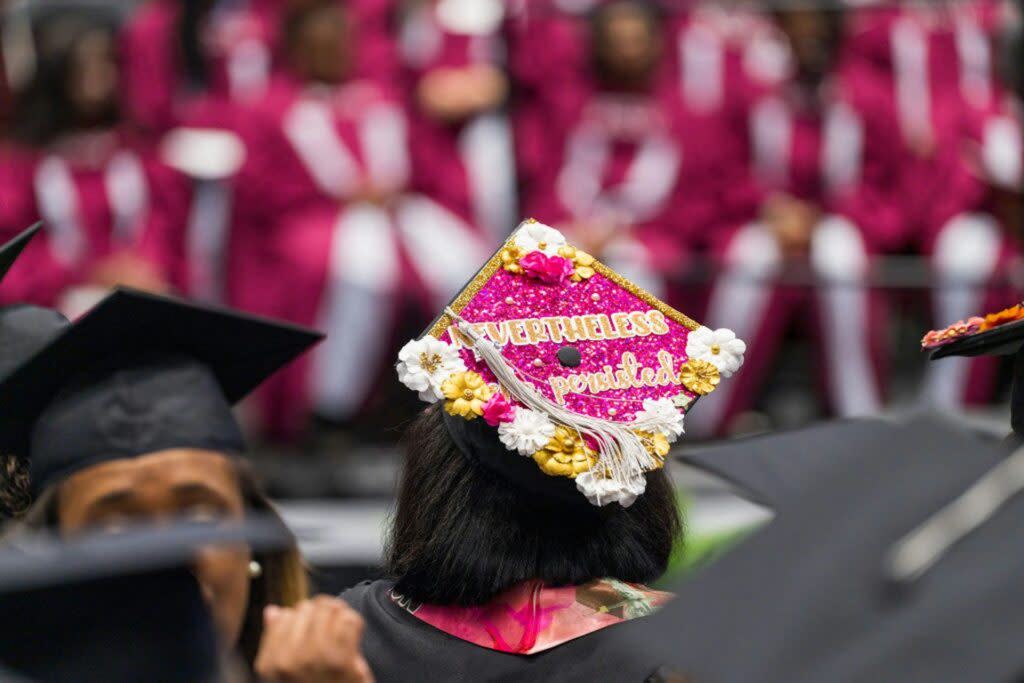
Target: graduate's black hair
(15, 493)
(460, 535)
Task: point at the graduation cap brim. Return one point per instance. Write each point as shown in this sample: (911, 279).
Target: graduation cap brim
(102, 607)
(807, 598)
(38, 561)
(1004, 340)
(10, 251)
(768, 469)
(240, 350)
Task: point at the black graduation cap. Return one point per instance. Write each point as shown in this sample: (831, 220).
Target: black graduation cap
(770, 468)
(137, 374)
(1005, 340)
(24, 328)
(122, 607)
(899, 565)
(10, 251)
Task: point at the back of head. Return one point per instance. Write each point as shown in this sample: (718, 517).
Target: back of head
(462, 534)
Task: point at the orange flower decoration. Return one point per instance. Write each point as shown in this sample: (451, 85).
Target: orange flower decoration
(1008, 315)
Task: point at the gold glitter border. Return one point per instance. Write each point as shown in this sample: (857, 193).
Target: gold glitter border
(466, 295)
(645, 296)
(462, 300)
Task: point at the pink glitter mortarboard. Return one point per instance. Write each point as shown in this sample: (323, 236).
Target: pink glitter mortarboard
(580, 368)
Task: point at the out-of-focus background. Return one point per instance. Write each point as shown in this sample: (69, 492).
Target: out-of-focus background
(828, 179)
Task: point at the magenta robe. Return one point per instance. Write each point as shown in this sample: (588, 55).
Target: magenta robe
(94, 193)
(466, 165)
(309, 244)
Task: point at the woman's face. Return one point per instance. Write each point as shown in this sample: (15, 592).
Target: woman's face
(93, 79)
(169, 485)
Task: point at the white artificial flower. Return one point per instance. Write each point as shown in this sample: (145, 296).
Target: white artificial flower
(424, 364)
(601, 491)
(528, 432)
(661, 415)
(531, 236)
(720, 347)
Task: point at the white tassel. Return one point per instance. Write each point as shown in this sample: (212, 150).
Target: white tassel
(622, 453)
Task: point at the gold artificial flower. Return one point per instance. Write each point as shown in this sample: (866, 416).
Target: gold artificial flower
(566, 454)
(582, 263)
(467, 392)
(656, 444)
(510, 256)
(699, 376)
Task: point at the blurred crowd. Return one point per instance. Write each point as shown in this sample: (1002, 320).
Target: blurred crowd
(347, 164)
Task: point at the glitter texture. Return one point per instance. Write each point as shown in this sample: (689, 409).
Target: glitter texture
(484, 301)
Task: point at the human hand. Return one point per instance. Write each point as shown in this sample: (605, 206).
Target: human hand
(316, 641)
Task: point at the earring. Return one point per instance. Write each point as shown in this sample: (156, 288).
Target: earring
(255, 570)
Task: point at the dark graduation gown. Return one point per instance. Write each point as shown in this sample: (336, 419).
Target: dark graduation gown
(400, 647)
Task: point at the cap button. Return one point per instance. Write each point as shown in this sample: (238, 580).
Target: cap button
(716, 349)
(569, 356)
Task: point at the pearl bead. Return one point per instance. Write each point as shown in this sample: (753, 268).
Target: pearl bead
(509, 300)
(595, 297)
(538, 362)
(612, 412)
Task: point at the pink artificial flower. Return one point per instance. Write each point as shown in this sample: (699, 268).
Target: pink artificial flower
(553, 270)
(498, 409)
(937, 338)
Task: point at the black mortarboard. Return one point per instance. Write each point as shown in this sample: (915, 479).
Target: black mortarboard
(10, 251)
(139, 373)
(1005, 340)
(121, 607)
(770, 468)
(24, 329)
(870, 575)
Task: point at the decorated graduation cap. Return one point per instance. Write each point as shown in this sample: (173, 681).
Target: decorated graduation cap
(548, 355)
(898, 565)
(115, 607)
(138, 374)
(995, 334)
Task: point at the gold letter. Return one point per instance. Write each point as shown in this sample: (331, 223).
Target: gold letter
(535, 331)
(640, 326)
(559, 385)
(658, 324)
